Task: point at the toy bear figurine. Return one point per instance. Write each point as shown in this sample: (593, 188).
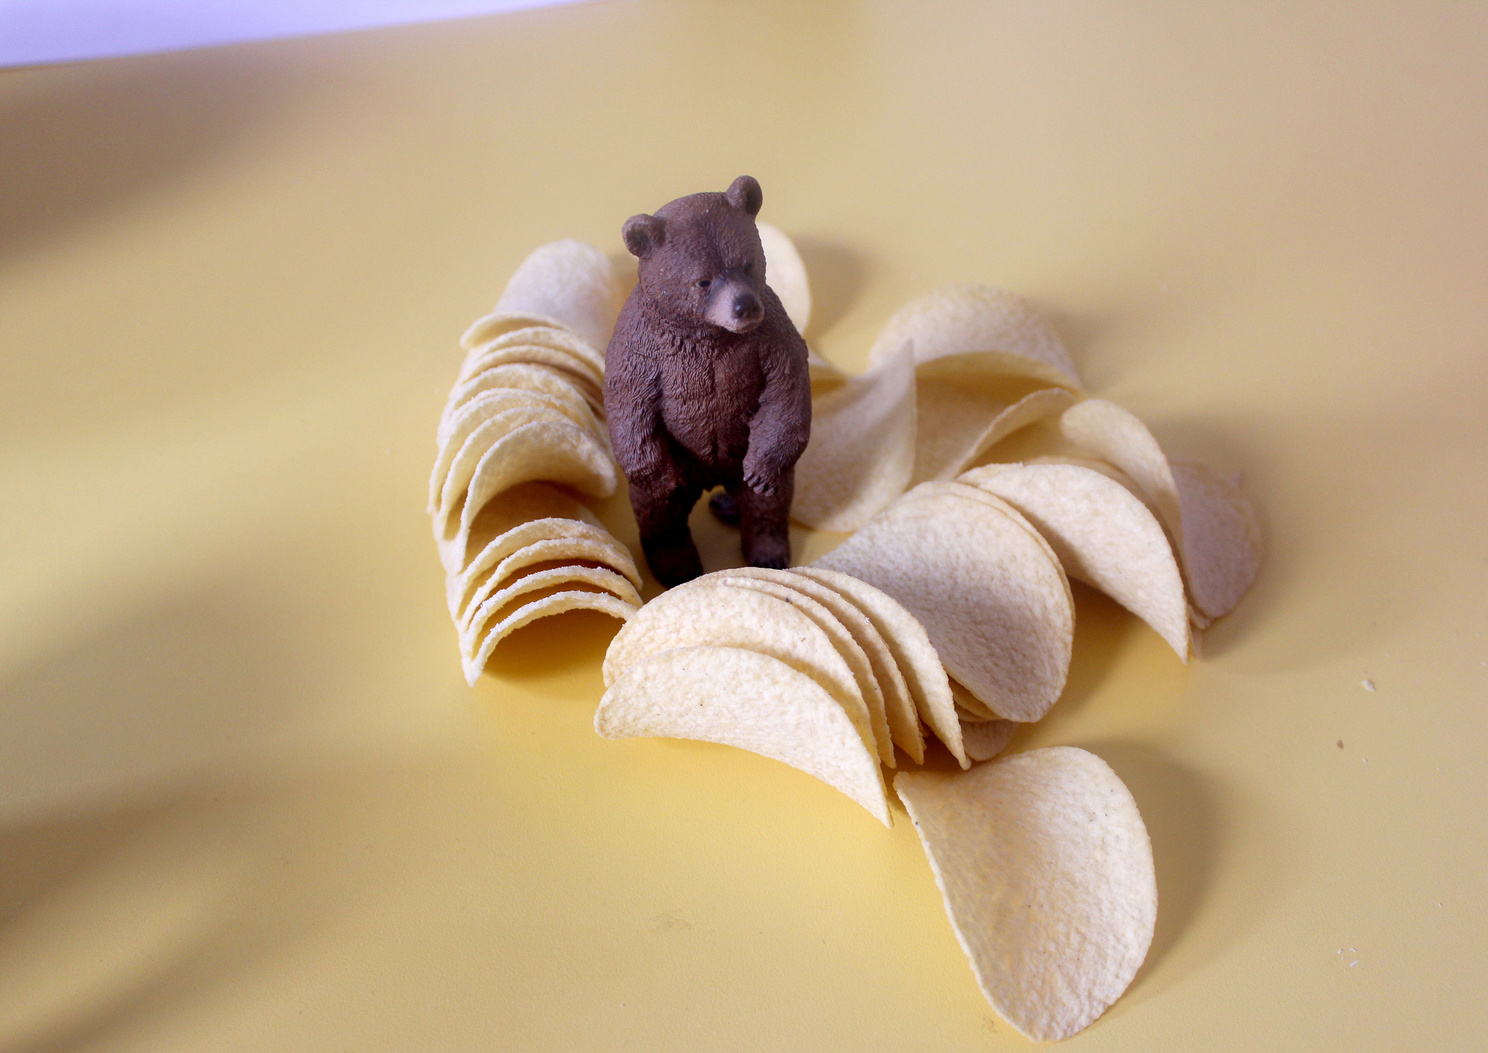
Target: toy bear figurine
(706, 382)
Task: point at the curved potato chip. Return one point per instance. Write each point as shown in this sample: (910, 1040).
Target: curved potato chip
(574, 369)
(1221, 538)
(519, 586)
(524, 376)
(455, 429)
(919, 667)
(861, 452)
(1221, 558)
(749, 700)
(985, 586)
(556, 451)
(603, 551)
(567, 282)
(515, 508)
(547, 336)
(1047, 875)
(712, 612)
(824, 375)
(880, 663)
(923, 672)
(967, 422)
(542, 607)
(969, 707)
(785, 272)
(845, 645)
(1102, 534)
(985, 739)
(478, 442)
(999, 326)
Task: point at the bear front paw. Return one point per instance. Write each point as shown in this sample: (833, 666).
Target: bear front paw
(759, 484)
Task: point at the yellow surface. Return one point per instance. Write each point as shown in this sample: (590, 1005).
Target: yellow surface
(246, 800)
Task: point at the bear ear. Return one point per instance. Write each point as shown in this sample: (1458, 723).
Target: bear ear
(745, 193)
(644, 234)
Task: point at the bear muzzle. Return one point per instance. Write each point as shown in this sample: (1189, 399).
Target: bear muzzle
(735, 306)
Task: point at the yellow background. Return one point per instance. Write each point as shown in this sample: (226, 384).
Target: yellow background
(246, 800)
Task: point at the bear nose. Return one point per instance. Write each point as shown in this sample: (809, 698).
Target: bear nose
(746, 305)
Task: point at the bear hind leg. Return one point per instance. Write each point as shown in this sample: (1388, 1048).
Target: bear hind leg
(764, 524)
(661, 516)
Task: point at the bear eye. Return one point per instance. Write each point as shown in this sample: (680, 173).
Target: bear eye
(748, 268)
(704, 283)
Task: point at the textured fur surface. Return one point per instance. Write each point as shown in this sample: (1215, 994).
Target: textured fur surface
(706, 381)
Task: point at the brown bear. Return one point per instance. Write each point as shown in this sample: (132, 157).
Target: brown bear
(706, 382)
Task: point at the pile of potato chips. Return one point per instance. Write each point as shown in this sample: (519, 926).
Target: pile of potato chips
(975, 477)
(521, 440)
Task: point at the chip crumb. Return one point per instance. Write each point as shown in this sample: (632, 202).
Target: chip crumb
(1368, 685)
(1340, 743)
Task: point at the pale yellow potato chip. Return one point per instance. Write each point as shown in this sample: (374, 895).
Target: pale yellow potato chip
(525, 376)
(467, 457)
(1221, 558)
(547, 336)
(785, 272)
(1103, 536)
(824, 376)
(742, 698)
(888, 691)
(1001, 327)
(516, 507)
(517, 588)
(542, 607)
(602, 551)
(575, 370)
(1221, 538)
(902, 717)
(556, 451)
(985, 739)
(963, 421)
(1047, 874)
(710, 611)
(874, 727)
(862, 447)
(968, 706)
(567, 283)
(918, 662)
(986, 587)
(456, 429)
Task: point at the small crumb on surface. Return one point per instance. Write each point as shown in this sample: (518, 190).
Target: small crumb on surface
(1340, 743)
(1368, 685)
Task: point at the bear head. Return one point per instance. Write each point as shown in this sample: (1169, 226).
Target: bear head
(701, 262)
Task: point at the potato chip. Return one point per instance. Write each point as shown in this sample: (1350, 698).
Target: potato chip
(875, 731)
(486, 434)
(516, 507)
(712, 612)
(785, 272)
(749, 700)
(517, 588)
(565, 282)
(1008, 335)
(985, 586)
(919, 666)
(570, 366)
(542, 606)
(1102, 534)
(1221, 537)
(543, 336)
(825, 377)
(1047, 875)
(456, 429)
(901, 716)
(525, 376)
(964, 421)
(968, 706)
(889, 692)
(1220, 557)
(861, 451)
(602, 550)
(985, 739)
(556, 451)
